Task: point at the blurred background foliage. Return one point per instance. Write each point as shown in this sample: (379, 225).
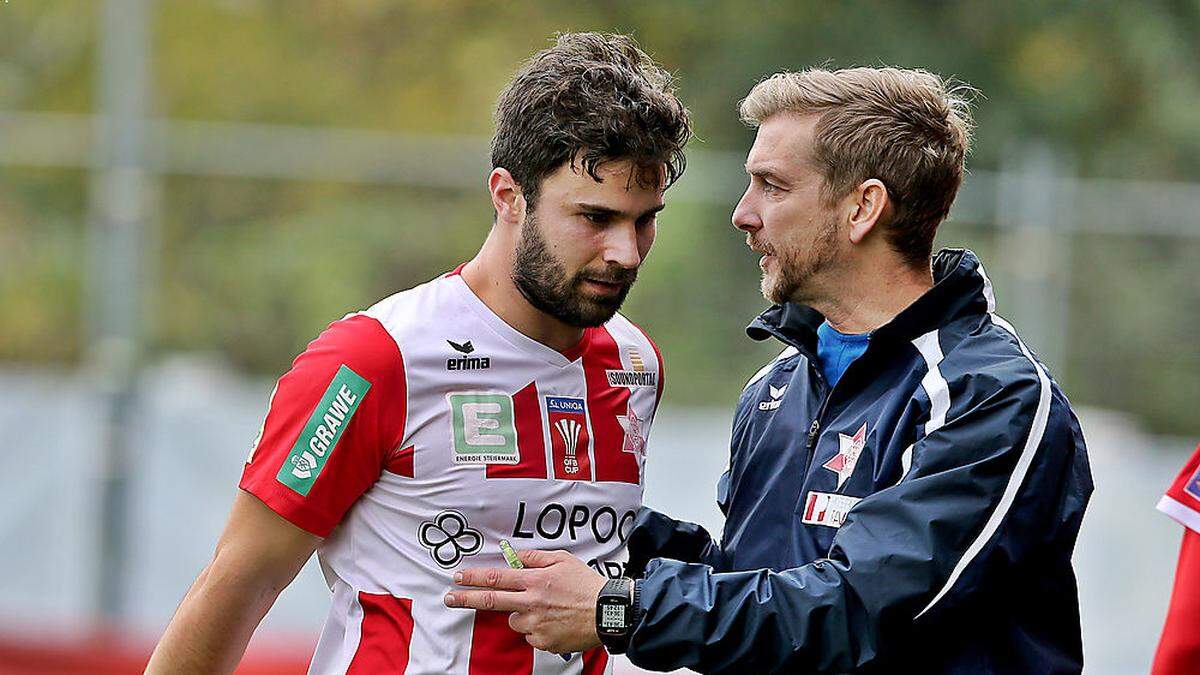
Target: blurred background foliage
(254, 268)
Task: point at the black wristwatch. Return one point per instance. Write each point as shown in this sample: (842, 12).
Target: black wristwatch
(614, 614)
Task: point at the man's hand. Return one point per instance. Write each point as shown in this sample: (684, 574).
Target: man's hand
(553, 600)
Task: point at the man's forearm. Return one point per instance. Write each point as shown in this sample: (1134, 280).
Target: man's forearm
(213, 624)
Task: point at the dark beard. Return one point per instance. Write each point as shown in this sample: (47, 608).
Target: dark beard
(542, 280)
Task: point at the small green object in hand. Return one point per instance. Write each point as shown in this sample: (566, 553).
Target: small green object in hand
(510, 555)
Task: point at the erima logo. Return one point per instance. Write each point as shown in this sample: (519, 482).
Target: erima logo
(465, 348)
(563, 404)
(466, 362)
(776, 398)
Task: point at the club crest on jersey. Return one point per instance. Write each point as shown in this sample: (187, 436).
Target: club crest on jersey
(635, 436)
(823, 508)
(569, 440)
(1192, 487)
(324, 429)
(849, 450)
(483, 428)
(776, 398)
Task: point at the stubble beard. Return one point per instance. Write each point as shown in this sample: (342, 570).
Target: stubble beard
(793, 280)
(543, 281)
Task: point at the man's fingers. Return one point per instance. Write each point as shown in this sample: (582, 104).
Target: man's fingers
(495, 601)
(540, 558)
(520, 623)
(493, 577)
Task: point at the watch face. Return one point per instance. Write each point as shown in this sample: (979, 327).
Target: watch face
(612, 617)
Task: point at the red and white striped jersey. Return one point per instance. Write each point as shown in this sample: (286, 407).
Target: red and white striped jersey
(417, 434)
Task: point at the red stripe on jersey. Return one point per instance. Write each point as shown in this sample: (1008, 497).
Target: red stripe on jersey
(387, 627)
(594, 661)
(604, 404)
(662, 375)
(1179, 647)
(530, 444)
(401, 463)
(497, 649)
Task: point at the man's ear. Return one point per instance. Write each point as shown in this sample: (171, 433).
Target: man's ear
(869, 204)
(507, 199)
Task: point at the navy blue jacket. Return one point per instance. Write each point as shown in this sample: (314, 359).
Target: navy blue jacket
(920, 514)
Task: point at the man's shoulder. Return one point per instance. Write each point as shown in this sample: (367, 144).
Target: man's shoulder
(629, 334)
(367, 340)
(431, 301)
(989, 348)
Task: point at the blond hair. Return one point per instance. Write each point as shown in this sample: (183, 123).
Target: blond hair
(909, 129)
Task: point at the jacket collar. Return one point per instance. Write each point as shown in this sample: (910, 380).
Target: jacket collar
(961, 287)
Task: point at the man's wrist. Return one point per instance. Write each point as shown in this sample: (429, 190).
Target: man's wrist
(615, 607)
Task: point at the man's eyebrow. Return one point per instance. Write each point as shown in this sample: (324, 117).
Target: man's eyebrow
(765, 172)
(601, 210)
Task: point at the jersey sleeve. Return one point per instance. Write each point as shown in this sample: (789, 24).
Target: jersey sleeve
(1182, 500)
(333, 422)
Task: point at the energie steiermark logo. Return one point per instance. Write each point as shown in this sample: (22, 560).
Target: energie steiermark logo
(321, 434)
(483, 428)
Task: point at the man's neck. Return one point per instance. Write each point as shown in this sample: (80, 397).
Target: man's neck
(864, 302)
(489, 276)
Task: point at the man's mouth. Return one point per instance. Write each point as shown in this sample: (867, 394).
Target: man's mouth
(605, 287)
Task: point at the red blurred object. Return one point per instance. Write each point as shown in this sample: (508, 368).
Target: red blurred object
(113, 652)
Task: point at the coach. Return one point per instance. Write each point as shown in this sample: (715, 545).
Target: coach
(906, 481)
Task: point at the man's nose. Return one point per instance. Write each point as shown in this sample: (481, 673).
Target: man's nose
(621, 246)
(745, 216)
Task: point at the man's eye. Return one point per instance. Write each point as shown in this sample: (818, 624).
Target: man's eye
(597, 218)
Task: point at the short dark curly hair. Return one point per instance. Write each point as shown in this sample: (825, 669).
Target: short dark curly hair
(592, 98)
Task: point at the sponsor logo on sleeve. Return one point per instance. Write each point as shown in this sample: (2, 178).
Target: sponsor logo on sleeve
(324, 429)
(636, 376)
(1192, 487)
(632, 378)
(829, 510)
(483, 428)
(449, 538)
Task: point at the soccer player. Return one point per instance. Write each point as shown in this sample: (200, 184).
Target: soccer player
(504, 400)
(1179, 648)
(906, 480)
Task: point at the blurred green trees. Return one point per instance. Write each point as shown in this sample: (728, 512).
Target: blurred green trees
(254, 268)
